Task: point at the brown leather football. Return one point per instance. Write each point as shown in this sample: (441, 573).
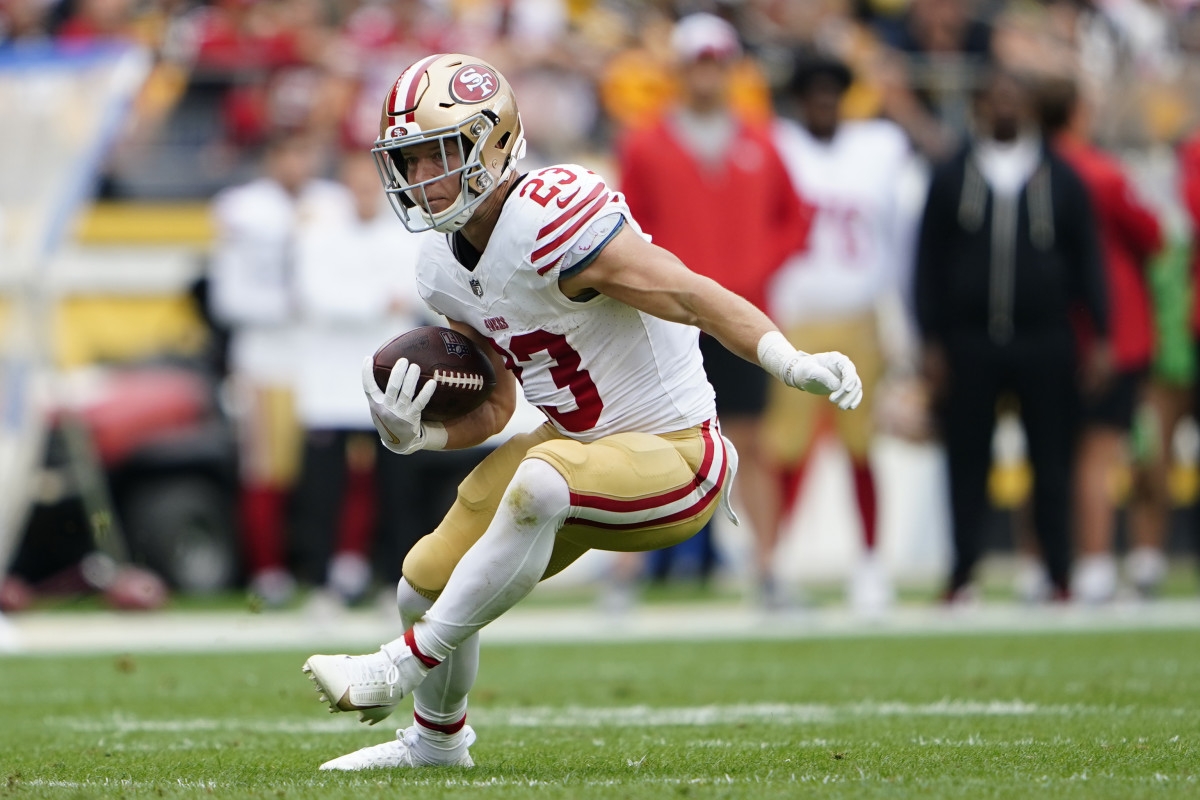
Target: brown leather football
(464, 374)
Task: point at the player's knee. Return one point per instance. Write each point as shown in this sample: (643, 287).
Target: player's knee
(411, 602)
(428, 565)
(536, 494)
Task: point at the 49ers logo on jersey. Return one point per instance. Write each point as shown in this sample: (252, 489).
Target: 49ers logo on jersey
(474, 83)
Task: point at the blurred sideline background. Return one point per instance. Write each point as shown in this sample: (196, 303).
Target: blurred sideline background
(106, 335)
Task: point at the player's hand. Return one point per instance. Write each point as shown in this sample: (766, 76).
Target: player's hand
(396, 411)
(826, 373)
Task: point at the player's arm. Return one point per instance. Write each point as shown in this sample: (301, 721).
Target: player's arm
(491, 417)
(653, 280)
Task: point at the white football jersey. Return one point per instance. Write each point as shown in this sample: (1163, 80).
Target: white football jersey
(595, 367)
(854, 253)
(250, 278)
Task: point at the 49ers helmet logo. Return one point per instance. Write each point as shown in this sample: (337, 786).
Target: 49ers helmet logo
(474, 83)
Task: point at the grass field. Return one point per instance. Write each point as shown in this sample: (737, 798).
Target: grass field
(1056, 715)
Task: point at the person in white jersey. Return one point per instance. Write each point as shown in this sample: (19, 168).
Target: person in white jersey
(548, 272)
(355, 287)
(834, 289)
(252, 291)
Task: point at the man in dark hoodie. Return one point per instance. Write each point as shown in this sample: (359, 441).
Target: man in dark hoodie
(1007, 252)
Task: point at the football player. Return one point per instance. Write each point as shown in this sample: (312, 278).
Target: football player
(834, 289)
(599, 327)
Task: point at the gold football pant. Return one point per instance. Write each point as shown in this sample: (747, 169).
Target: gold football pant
(629, 491)
(794, 418)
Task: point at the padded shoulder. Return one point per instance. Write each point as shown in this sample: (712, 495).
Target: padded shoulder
(552, 207)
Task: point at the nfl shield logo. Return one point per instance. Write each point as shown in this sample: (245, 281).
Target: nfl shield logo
(456, 343)
(477, 287)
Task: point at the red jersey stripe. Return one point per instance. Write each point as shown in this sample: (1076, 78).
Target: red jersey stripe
(566, 235)
(570, 212)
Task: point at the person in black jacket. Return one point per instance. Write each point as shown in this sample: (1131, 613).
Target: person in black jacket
(1007, 254)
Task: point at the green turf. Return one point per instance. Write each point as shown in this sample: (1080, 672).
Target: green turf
(1113, 715)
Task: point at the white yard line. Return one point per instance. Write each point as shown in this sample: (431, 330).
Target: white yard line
(189, 631)
(620, 717)
(636, 778)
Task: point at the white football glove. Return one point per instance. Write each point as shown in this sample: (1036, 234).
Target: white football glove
(826, 373)
(396, 412)
(819, 373)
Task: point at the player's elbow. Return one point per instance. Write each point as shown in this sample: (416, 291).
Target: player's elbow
(480, 425)
(503, 406)
(492, 417)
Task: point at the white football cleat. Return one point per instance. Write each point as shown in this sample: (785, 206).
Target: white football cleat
(411, 748)
(371, 684)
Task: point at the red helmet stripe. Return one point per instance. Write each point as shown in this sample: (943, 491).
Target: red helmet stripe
(406, 87)
(390, 105)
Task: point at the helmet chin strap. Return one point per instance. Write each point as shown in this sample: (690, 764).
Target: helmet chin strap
(456, 220)
(452, 224)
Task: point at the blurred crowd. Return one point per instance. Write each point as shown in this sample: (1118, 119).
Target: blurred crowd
(248, 96)
(229, 72)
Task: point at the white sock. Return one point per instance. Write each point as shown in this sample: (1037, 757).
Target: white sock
(504, 565)
(440, 699)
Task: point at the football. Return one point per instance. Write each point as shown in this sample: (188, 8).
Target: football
(463, 372)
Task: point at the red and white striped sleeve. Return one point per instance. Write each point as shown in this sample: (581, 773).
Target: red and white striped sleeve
(571, 198)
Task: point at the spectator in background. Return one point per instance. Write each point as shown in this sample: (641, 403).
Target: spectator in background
(1189, 180)
(1007, 247)
(1164, 468)
(24, 21)
(1189, 189)
(252, 291)
(642, 81)
(356, 288)
(711, 188)
(832, 291)
(274, 57)
(376, 43)
(1129, 235)
(940, 50)
(99, 21)
(637, 83)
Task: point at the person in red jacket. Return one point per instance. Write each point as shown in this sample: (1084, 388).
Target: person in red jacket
(1189, 186)
(1129, 235)
(710, 187)
(1189, 178)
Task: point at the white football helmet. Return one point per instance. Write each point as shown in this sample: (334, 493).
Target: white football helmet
(468, 108)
